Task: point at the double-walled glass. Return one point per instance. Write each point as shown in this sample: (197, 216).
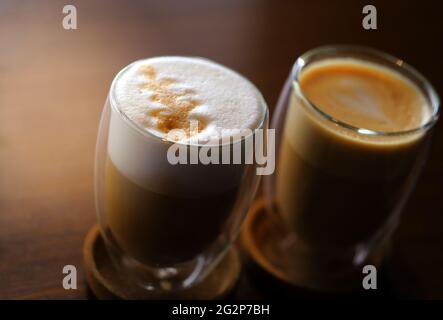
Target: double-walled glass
(166, 225)
(338, 190)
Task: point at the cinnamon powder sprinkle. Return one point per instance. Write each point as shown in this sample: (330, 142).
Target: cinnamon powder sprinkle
(176, 105)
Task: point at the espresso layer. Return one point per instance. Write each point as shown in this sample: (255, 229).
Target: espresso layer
(364, 95)
(158, 229)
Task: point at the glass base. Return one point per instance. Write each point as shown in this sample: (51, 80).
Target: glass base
(155, 279)
(106, 282)
(278, 251)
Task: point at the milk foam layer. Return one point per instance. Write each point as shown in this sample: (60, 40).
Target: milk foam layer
(365, 95)
(211, 94)
(165, 93)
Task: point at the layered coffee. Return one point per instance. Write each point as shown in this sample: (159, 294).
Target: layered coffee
(158, 213)
(347, 151)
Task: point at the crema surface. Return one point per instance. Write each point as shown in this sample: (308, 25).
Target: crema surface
(364, 95)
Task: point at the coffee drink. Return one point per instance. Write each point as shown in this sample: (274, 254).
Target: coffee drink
(347, 151)
(158, 213)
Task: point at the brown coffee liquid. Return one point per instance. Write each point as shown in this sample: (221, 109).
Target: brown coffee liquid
(364, 95)
(336, 187)
(158, 229)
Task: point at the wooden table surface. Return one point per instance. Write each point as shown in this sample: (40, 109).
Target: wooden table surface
(53, 83)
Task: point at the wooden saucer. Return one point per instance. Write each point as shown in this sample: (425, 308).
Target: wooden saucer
(273, 267)
(106, 283)
(257, 234)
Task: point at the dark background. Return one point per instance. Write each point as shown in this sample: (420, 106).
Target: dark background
(53, 84)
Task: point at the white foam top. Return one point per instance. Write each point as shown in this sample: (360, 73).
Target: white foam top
(164, 93)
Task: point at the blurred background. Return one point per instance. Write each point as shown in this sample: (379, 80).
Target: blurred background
(54, 82)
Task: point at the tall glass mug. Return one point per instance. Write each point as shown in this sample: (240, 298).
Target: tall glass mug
(352, 125)
(167, 224)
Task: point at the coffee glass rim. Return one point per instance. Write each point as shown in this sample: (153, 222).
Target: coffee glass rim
(146, 133)
(393, 63)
